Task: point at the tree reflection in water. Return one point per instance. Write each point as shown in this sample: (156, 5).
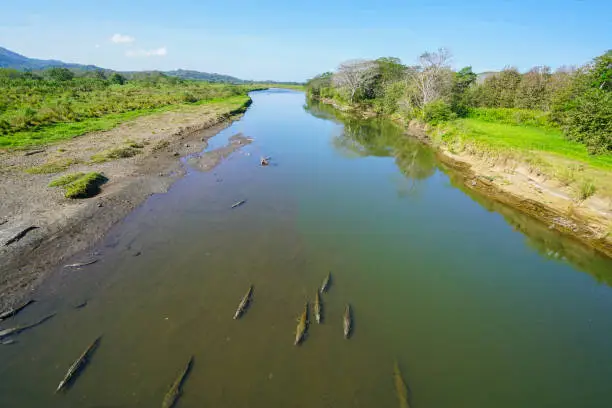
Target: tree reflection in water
(379, 138)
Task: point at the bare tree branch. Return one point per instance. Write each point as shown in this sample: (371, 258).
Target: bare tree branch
(354, 75)
(431, 78)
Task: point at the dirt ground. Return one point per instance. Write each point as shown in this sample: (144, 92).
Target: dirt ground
(39, 227)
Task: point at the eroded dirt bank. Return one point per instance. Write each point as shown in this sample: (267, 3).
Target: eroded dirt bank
(531, 192)
(39, 227)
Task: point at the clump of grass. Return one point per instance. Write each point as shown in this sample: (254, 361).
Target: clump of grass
(80, 185)
(116, 153)
(53, 166)
(85, 186)
(586, 189)
(566, 174)
(66, 179)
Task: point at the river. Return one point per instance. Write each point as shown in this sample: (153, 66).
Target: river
(479, 305)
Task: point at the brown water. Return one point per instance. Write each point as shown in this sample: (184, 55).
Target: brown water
(481, 306)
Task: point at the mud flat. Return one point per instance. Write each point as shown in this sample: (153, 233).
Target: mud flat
(39, 227)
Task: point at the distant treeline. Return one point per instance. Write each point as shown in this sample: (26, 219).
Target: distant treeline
(31, 100)
(576, 99)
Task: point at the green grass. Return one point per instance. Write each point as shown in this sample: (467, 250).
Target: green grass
(586, 189)
(62, 131)
(520, 139)
(80, 185)
(86, 186)
(512, 116)
(284, 86)
(53, 166)
(66, 179)
(35, 109)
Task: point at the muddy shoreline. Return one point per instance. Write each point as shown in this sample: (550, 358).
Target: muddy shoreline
(40, 229)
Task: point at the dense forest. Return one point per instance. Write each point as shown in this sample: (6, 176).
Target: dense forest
(30, 101)
(577, 100)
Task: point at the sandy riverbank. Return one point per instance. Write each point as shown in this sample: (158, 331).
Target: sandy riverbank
(39, 227)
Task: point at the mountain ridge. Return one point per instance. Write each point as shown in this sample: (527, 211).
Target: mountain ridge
(11, 59)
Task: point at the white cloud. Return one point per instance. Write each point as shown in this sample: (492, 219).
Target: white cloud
(158, 52)
(122, 39)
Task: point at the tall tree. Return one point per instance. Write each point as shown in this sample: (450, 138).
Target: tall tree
(389, 70)
(60, 74)
(354, 75)
(499, 90)
(601, 72)
(533, 89)
(462, 81)
(434, 76)
(319, 82)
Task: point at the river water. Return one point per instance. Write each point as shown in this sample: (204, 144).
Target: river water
(479, 305)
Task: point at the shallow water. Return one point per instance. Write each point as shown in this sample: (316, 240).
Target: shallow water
(480, 306)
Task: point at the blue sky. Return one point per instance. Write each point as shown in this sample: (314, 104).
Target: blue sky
(265, 39)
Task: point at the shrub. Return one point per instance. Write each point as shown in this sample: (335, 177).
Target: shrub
(188, 97)
(60, 74)
(438, 111)
(118, 79)
(590, 121)
(393, 92)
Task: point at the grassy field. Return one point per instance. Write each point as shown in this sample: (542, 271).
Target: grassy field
(284, 86)
(521, 139)
(61, 131)
(543, 149)
(41, 108)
